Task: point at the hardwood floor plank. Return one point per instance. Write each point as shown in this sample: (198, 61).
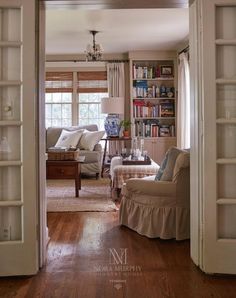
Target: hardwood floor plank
(79, 264)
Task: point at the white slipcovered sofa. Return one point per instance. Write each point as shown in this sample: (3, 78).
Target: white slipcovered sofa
(160, 208)
(93, 159)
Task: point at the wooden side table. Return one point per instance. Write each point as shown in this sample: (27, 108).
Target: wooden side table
(111, 139)
(66, 169)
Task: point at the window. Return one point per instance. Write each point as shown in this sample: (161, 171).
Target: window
(58, 109)
(92, 86)
(89, 111)
(65, 108)
(58, 99)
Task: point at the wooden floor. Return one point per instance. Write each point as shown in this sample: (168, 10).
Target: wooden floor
(80, 264)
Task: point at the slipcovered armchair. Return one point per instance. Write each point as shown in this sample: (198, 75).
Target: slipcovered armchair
(160, 208)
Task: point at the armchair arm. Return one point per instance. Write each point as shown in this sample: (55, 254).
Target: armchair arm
(98, 147)
(152, 188)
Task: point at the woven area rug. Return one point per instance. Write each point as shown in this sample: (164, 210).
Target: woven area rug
(94, 196)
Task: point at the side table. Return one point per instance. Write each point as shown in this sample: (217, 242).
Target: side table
(66, 169)
(111, 139)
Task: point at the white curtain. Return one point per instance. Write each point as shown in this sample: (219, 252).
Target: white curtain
(116, 79)
(183, 114)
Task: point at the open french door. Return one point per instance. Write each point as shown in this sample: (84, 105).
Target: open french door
(18, 150)
(214, 96)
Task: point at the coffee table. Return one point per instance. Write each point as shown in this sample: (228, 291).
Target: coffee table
(66, 169)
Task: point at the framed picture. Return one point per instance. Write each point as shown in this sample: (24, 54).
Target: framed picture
(166, 71)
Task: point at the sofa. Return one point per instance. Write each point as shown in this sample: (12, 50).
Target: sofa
(93, 159)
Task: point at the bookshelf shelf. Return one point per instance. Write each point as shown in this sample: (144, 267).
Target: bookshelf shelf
(154, 79)
(157, 118)
(158, 98)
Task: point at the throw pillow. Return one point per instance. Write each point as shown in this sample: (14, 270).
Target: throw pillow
(69, 138)
(162, 167)
(168, 171)
(90, 138)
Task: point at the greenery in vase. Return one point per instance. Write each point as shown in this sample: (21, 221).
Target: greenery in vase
(125, 124)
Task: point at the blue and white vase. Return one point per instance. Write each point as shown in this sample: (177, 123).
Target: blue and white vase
(112, 125)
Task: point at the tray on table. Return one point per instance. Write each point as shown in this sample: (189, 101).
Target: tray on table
(146, 161)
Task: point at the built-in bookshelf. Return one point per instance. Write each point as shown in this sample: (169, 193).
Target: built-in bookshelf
(153, 101)
(153, 98)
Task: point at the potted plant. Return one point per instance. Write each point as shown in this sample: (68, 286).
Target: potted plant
(126, 125)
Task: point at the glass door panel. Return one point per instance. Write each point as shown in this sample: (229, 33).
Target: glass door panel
(10, 143)
(10, 24)
(10, 183)
(10, 103)
(10, 224)
(226, 22)
(227, 221)
(226, 181)
(226, 101)
(226, 141)
(10, 64)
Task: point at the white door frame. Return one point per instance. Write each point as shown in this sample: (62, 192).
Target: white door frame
(94, 4)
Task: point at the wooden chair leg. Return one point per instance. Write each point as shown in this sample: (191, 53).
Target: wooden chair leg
(97, 176)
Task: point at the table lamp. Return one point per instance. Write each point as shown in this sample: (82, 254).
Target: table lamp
(113, 106)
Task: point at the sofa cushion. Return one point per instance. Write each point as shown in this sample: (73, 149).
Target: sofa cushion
(173, 153)
(53, 133)
(162, 168)
(89, 139)
(69, 138)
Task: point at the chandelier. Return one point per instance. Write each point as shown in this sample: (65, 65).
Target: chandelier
(94, 51)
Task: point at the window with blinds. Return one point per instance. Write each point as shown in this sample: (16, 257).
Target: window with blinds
(92, 86)
(65, 108)
(58, 101)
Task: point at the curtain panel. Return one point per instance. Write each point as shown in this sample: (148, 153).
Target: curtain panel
(183, 115)
(116, 79)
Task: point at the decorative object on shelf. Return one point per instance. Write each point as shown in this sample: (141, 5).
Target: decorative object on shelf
(113, 106)
(166, 71)
(126, 125)
(94, 51)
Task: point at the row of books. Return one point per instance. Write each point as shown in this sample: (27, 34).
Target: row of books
(146, 72)
(142, 109)
(141, 89)
(153, 130)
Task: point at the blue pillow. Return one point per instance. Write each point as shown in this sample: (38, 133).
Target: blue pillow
(162, 167)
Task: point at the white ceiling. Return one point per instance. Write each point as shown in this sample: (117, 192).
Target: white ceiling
(121, 30)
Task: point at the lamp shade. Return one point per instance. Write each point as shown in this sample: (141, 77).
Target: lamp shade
(112, 105)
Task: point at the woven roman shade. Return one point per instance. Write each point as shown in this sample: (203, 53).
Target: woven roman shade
(92, 82)
(59, 82)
